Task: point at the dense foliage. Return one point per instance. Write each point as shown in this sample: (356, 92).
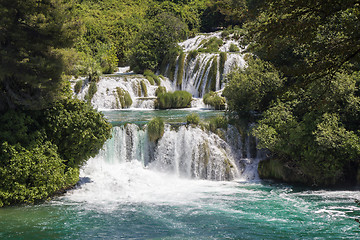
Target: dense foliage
(41, 151)
(76, 129)
(252, 89)
(214, 100)
(193, 118)
(304, 92)
(156, 40)
(32, 38)
(132, 32)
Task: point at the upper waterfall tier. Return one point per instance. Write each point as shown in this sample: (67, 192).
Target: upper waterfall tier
(110, 91)
(199, 68)
(203, 63)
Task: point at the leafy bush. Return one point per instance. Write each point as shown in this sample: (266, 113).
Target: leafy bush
(155, 129)
(31, 175)
(78, 86)
(177, 99)
(41, 151)
(214, 100)
(320, 146)
(234, 48)
(124, 97)
(252, 89)
(76, 129)
(218, 122)
(193, 118)
(160, 90)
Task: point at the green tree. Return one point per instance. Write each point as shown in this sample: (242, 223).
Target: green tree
(41, 151)
(252, 89)
(224, 13)
(78, 130)
(311, 126)
(32, 33)
(156, 40)
(325, 34)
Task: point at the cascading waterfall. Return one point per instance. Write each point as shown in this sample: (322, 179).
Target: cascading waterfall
(205, 72)
(183, 151)
(142, 93)
(195, 73)
(199, 72)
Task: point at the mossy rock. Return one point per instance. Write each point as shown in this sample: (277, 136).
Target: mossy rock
(143, 88)
(152, 77)
(276, 169)
(91, 91)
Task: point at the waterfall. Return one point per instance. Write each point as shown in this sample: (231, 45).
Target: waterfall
(205, 72)
(194, 70)
(197, 71)
(140, 90)
(183, 151)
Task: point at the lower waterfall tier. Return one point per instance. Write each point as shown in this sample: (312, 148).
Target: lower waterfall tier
(183, 151)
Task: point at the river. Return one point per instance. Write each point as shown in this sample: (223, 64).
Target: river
(155, 199)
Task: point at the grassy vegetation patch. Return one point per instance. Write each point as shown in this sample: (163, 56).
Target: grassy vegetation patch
(124, 97)
(155, 129)
(214, 100)
(177, 99)
(152, 76)
(211, 45)
(160, 90)
(180, 72)
(143, 88)
(78, 86)
(193, 118)
(91, 91)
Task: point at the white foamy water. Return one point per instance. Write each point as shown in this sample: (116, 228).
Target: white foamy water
(175, 170)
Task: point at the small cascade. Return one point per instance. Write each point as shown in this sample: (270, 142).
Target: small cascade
(183, 151)
(110, 87)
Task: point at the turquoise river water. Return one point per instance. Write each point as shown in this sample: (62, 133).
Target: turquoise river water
(125, 200)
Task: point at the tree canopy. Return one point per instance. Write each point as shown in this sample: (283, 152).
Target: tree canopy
(31, 65)
(310, 121)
